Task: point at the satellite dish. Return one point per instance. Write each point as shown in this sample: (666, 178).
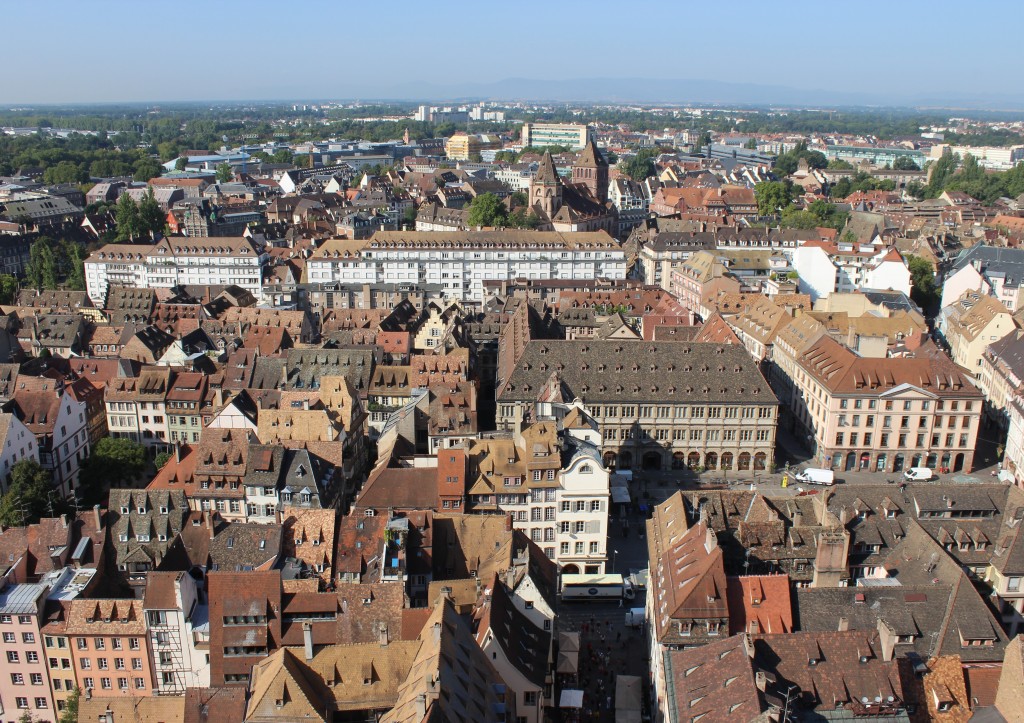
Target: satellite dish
(890, 699)
(864, 700)
(878, 699)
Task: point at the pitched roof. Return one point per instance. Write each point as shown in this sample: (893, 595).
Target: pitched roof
(714, 682)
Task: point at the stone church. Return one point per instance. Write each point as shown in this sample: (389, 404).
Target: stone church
(582, 204)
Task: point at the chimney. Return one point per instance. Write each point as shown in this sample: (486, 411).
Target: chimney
(97, 517)
(209, 524)
(307, 640)
(108, 715)
(177, 452)
(421, 706)
(382, 634)
(844, 624)
(508, 522)
(284, 375)
(887, 639)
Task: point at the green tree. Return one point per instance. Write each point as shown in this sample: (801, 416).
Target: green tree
(282, 156)
(8, 288)
(521, 218)
(181, 163)
(772, 197)
(42, 267)
(751, 144)
(225, 173)
(74, 258)
(505, 157)
(475, 157)
(161, 459)
(151, 216)
(638, 167)
(129, 224)
(519, 198)
(904, 163)
(915, 189)
(146, 169)
(409, 217)
(487, 210)
(70, 714)
(65, 172)
(940, 173)
(30, 496)
(838, 164)
(923, 289)
(113, 463)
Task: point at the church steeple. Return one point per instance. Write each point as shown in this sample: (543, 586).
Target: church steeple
(546, 187)
(591, 170)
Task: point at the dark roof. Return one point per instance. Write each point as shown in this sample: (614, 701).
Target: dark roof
(616, 370)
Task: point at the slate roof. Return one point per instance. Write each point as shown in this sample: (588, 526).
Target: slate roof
(163, 515)
(916, 611)
(615, 371)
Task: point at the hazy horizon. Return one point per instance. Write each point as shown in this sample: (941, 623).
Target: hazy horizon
(876, 54)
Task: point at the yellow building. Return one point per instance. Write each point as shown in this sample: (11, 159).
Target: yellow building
(463, 145)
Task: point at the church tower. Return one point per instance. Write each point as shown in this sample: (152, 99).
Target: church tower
(591, 170)
(546, 187)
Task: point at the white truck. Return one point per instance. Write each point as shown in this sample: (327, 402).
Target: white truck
(918, 474)
(596, 587)
(814, 476)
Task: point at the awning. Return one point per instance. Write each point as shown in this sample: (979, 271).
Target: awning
(568, 663)
(1005, 475)
(620, 495)
(571, 699)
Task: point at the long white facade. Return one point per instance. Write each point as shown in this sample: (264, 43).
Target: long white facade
(459, 262)
(175, 261)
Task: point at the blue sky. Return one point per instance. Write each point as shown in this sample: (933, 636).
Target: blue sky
(113, 50)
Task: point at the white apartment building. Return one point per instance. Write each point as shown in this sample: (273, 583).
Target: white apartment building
(174, 261)
(173, 610)
(826, 268)
(16, 443)
(460, 261)
(553, 486)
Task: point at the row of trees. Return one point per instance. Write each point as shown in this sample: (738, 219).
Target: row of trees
(951, 173)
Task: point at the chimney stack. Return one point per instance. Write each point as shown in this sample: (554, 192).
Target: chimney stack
(421, 706)
(209, 524)
(382, 634)
(307, 640)
(887, 639)
(844, 624)
(508, 522)
(97, 517)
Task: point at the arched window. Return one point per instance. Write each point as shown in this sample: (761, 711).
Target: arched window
(586, 469)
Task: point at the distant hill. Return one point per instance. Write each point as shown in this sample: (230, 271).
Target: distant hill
(652, 90)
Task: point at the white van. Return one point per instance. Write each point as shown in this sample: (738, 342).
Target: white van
(812, 476)
(918, 474)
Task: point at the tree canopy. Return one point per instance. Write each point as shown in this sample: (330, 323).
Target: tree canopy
(129, 223)
(113, 463)
(903, 163)
(30, 496)
(923, 290)
(819, 213)
(487, 210)
(225, 173)
(772, 197)
(787, 163)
